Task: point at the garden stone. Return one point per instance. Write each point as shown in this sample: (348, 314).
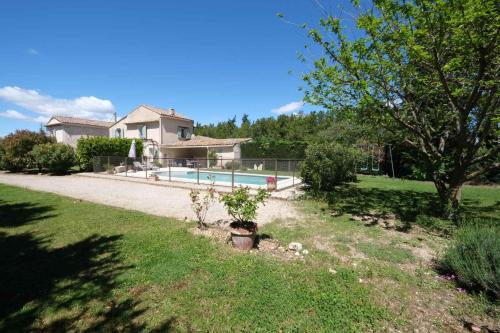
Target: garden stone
(295, 246)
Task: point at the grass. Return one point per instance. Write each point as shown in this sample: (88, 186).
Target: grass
(71, 265)
(397, 264)
(78, 266)
(386, 253)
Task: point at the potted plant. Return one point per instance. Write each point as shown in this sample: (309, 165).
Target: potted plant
(242, 207)
(271, 183)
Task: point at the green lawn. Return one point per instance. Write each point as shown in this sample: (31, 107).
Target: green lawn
(398, 263)
(71, 265)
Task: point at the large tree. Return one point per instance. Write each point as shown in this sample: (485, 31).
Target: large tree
(426, 70)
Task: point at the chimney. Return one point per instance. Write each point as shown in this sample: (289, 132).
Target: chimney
(114, 116)
(171, 111)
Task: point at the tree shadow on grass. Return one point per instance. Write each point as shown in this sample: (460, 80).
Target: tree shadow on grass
(70, 288)
(407, 205)
(17, 214)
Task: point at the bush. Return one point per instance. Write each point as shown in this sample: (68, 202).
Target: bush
(474, 257)
(212, 158)
(88, 148)
(241, 206)
(229, 165)
(329, 164)
(55, 157)
(17, 146)
(2, 154)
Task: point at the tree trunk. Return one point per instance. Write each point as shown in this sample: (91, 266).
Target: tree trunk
(449, 196)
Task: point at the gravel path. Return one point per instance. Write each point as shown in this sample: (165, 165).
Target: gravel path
(151, 199)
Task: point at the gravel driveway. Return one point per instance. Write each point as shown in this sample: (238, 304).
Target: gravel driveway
(151, 199)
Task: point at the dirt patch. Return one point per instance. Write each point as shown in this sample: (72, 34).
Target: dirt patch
(263, 244)
(387, 221)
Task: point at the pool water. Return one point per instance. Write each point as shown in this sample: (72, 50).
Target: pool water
(219, 177)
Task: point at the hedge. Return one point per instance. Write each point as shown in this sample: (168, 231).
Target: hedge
(278, 149)
(88, 148)
(54, 157)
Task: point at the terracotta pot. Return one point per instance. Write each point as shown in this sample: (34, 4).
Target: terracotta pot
(243, 239)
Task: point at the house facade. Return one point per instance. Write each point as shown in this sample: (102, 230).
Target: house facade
(169, 134)
(69, 129)
(166, 134)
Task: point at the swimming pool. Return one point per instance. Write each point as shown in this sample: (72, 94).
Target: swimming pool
(219, 177)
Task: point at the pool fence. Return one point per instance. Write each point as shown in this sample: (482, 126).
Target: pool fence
(254, 173)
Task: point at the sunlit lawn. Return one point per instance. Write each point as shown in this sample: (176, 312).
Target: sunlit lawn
(71, 265)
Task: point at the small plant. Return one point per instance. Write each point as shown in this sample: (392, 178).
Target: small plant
(474, 257)
(271, 180)
(241, 206)
(201, 203)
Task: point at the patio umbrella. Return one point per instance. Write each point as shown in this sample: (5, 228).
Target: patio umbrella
(131, 152)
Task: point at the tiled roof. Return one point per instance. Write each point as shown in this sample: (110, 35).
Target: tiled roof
(167, 113)
(204, 141)
(81, 121)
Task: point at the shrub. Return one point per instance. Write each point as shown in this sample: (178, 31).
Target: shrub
(229, 165)
(88, 148)
(329, 164)
(212, 158)
(474, 256)
(55, 157)
(241, 206)
(17, 147)
(2, 154)
(201, 204)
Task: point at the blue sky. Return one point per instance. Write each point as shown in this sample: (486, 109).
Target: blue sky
(210, 60)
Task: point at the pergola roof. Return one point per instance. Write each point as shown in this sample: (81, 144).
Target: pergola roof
(204, 141)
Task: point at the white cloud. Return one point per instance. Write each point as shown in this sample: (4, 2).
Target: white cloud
(290, 107)
(89, 107)
(33, 51)
(13, 114)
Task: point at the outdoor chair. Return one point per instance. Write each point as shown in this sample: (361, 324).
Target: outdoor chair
(142, 167)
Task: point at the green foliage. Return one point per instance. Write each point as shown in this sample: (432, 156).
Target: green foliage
(212, 158)
(231, 164)
(474, 256)
(55, 157)
(2, 154)
(328, 165)
(241, 205)
(88, 148)
(16, 148)
(273, 149)
(427, 71)
(282, 137)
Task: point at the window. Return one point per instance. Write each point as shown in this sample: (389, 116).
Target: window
(143, 132)
(183, 132)
(118, 133)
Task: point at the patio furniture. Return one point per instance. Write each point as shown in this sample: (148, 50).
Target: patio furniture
(119, 169)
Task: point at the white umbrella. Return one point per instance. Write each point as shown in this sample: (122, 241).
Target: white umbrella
(131, 152)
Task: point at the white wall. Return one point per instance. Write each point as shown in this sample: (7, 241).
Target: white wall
(69, 134)
(169, 128)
